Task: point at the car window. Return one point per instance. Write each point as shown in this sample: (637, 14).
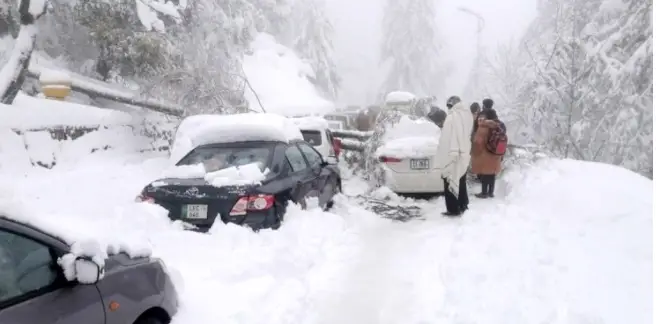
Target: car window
(312, 136)
(313, 157)
(25, 266)
(216, 158)
(295, 158)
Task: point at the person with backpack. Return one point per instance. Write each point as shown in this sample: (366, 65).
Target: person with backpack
(488, 148)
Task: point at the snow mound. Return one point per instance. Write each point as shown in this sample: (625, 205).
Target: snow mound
(281, 80)
(34, 113)
(399, 97)
(200, 130)
(49, 76)
(410, 138)
(311, 123)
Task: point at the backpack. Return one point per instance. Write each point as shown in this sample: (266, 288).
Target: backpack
(497, 140)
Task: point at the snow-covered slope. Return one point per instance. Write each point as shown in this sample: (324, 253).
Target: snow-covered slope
(280, 79)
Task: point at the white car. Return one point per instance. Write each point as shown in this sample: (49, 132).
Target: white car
(316, 131)
(407, 157)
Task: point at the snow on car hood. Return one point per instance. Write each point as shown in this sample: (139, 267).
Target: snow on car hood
(410, 138)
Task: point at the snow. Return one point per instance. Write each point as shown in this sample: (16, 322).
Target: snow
(311, 123)
(49, 76)
(200, 130)
(396, 97)
(563, 242)
(23, 44)
(247, 174)
(410, 138)
(280, 80)
(37, 7)
(34, 113)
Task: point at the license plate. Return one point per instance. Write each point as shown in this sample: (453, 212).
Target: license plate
(194, 211)
(419, 164)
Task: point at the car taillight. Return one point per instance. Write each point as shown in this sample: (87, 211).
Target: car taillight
(252, 203)
(337, 146)
(388, 159)
(144, 198)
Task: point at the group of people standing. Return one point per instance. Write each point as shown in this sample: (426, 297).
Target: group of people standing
(465, 141)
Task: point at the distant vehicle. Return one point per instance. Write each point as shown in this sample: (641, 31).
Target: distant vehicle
(404, 155)
(316, 131)
(34, 287)
(252, 165)
(343, 118)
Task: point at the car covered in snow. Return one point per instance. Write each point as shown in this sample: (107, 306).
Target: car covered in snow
(316, 131)
(242, 169)
(46, 279)
(402, 151)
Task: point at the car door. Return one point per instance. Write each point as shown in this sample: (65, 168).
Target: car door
(300, 173)
(33, 288)
(323, 189)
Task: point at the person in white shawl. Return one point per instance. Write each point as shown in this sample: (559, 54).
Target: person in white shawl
(453, 155)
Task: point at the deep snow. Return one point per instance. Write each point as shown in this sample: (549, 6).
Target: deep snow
(555, 249)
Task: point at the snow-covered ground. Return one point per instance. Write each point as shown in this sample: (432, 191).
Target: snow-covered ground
(569, 242)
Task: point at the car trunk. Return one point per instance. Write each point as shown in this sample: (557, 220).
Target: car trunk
(196, 202)
(411, 156)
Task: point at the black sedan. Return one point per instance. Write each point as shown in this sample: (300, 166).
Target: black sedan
(296, 172)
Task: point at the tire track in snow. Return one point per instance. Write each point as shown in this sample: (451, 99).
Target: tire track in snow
(395, 278)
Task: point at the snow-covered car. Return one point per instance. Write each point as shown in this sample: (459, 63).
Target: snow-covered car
(242, 169)
(407, 157)
(316, 131)
(43, 279)
(342, 118)
(401, 153)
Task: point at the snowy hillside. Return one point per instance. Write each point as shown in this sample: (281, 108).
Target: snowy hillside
(560, 245)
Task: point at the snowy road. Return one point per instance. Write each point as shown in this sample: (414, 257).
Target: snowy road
(518, 259)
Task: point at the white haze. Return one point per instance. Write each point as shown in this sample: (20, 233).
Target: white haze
(358, 32)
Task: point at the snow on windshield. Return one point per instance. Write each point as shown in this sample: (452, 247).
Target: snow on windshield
(198, 130)
(237, 175)
(410, 138)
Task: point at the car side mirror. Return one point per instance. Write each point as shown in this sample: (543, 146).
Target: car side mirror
(87, 271)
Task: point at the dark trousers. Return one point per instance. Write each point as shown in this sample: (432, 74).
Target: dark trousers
(456, 204)
(487, 183)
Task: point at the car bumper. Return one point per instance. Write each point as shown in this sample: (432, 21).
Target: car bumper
(253, 220)
(429, 181)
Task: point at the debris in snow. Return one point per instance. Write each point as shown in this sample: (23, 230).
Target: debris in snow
(200, 130)
(247, 174)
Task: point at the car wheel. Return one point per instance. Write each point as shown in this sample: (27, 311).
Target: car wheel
(337, 189)
(149, 320)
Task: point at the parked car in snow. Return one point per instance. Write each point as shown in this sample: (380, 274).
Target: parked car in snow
(242, 169)
(42, 281)
(402, 151)
(316, 131)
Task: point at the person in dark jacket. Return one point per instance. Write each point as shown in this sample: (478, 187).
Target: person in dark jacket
(488, 104)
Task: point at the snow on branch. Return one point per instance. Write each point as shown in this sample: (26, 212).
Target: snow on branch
(14, 71)
(148, 12)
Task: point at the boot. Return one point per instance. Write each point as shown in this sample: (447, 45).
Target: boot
(490, 190)
(481, 195)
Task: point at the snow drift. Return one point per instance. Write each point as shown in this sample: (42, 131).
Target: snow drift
(281, 80)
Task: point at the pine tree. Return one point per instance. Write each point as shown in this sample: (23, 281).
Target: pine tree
(411, 49)
(313, 33)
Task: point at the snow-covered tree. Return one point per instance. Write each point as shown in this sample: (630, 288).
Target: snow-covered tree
(13, 73)
(411, 51)
(585, 87)
(312, 35)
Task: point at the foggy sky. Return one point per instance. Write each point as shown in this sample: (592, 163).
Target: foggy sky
(357, 39)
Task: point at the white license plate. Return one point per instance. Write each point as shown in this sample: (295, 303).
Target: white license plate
(419, 164)
(194, 211)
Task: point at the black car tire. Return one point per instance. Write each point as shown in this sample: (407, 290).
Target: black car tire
(149, 320)
(337, 189)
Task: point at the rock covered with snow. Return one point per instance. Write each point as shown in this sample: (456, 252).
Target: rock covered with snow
(200, 130)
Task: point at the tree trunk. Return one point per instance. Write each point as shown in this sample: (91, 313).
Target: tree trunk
(13, 73)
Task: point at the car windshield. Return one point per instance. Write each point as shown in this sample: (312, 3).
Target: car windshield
(216, 158)
(312, 136)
